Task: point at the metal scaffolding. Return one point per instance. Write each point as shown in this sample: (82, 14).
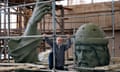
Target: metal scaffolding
(7, 9)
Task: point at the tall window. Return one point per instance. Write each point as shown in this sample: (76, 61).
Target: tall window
(12, 19)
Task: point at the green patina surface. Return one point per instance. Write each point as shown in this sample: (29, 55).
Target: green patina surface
(24, 50)
(91, 47)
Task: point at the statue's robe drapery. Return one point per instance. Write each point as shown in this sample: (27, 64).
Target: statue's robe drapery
(24, 49)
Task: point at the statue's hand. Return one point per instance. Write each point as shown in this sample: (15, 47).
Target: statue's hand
(40, 10)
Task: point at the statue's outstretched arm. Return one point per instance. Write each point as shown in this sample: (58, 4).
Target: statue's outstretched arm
(24, 50)
(39, 11)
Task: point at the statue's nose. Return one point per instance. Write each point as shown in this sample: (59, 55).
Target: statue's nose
(82, 55)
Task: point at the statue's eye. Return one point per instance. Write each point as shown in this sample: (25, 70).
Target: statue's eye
(77, 47)
(78, 51)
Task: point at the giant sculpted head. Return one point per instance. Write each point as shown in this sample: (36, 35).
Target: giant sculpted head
(91, 47)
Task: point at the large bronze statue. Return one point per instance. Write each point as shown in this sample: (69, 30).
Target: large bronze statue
(24, 50)
(91, 47)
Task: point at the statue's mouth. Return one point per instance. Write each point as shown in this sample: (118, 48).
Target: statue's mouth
(83, 64)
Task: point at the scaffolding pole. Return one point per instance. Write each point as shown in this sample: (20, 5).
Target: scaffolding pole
(54, 32)
(8, 30)
(113, 30)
